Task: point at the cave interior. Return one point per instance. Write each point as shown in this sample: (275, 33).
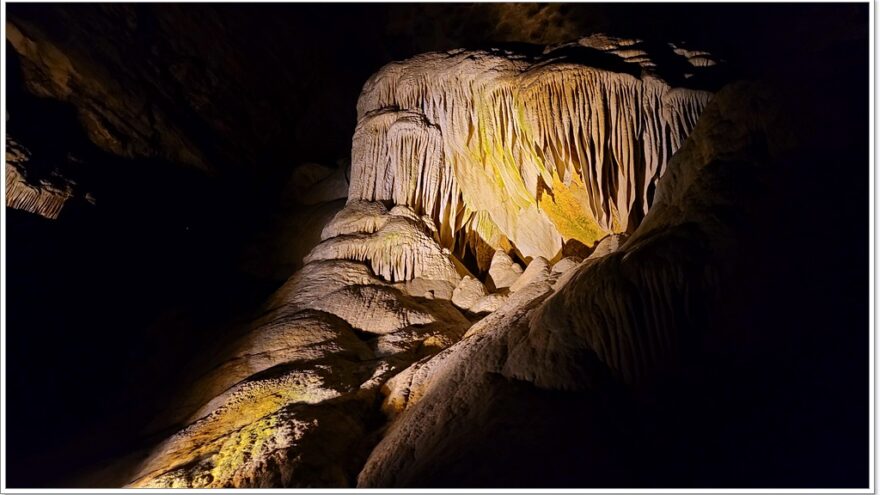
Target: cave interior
(202, 151)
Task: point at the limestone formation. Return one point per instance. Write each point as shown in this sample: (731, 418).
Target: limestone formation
(374, 309)
(289, 403)
(607, 246)
(44, 196)
(503, 271)
(427, 288)
(488, 303)
(487, 153)
(618, 321)
(44, 199)
(468, 292)
(503, 149)
(357, 217)
(538, 270)
(566, 264)
(398, 245)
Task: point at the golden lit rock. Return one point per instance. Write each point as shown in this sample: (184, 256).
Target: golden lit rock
(488, 156)
(503, 271)
(468, 292)
(546, 150)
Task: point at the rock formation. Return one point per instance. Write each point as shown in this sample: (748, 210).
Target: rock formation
(618, 320)
(44, 195)
(290, 403)
(43, 198)
(566, 264)
(487, 150)
(520, 152)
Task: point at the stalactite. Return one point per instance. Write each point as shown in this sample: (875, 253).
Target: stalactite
(45, 200)
(490, 132)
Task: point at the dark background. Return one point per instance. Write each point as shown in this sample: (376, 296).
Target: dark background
(109, 305)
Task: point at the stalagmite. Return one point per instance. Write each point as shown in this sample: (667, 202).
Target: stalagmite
(480, 157)
(296, 390)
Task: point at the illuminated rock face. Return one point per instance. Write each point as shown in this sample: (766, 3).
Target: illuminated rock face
(518, 395)
(507, 150)
(40, 199)
(290, 403)
(489, 152)
(45, 196)
(399, 245)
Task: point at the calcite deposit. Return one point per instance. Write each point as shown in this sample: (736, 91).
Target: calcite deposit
(495, 155)
(525, 152)
(384, 246)
(45, 194)
(615, 322)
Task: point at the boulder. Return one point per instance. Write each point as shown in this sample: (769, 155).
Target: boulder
(503, 271)
(468, 292)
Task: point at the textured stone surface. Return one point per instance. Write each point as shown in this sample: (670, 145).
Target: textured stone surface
(384, 277)
(291, 402)
(398, 245)
(573, 359)
(503, 271)
(488, 303)
(535, 152)
(608, 245)
(45, 195)
(359, 217)
(566, 264)
(427, 288)
(537, 271)
(468, 292)
(44, 198)
(591, 333)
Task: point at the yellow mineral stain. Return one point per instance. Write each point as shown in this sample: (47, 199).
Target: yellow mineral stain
(568, 209)
(244, 411)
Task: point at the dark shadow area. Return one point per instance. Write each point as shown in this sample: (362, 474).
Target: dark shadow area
(109, 303)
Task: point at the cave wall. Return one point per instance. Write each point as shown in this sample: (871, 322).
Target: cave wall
(226, 87)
